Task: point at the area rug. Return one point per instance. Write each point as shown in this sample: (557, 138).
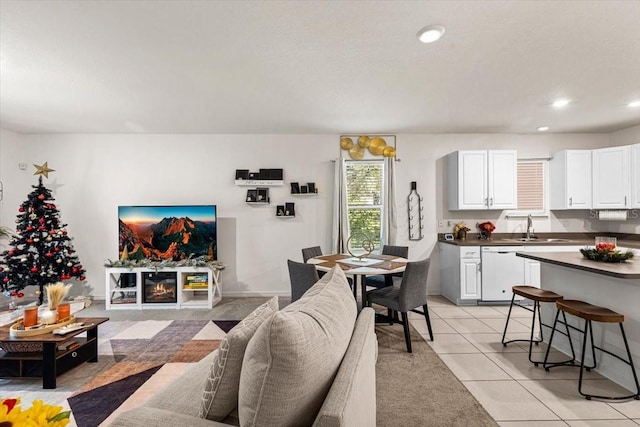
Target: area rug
(418, 389)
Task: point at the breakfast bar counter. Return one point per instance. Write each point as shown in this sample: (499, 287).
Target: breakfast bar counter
(612, 285)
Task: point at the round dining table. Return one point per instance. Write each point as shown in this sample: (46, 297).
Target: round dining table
(359, 268)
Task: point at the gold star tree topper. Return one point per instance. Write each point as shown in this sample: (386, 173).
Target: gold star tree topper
(43, 170)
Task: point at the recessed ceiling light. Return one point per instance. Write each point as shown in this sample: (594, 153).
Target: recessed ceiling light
(543, 128)
(430, 33)
(559, 103)
(634, 104)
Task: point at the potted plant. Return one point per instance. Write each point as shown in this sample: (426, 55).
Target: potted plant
(486, 228)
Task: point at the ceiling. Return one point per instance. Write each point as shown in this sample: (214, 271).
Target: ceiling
(315, 67)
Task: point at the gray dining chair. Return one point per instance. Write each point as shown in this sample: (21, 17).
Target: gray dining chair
(380, 281)
(302, 277)
(311, 252)
(410, 295)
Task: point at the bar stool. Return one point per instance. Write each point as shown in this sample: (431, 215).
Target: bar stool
(536, 295)
(590, 313)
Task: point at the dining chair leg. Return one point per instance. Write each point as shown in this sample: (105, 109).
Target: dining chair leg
(426, 315)
(390, 316)
(407, 336)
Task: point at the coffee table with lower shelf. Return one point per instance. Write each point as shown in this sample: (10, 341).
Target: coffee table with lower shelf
(50, 362)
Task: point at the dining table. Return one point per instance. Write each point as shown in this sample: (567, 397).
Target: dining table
(360, 267)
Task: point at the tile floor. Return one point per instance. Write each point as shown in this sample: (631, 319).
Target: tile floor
(511, 389)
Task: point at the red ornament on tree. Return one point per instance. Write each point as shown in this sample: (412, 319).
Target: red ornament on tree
(56, 249)
(81, 278)
(34, 269)
(20, 209)
(29, 241)
(41, 197)
(29, 228)
(41, 220)
(48, 254)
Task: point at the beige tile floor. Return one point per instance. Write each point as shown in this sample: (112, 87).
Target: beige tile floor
(511, 389)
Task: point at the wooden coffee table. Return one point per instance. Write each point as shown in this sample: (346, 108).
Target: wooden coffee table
(51, 361)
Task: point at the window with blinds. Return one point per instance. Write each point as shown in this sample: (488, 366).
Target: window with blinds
(364, 200)
(531, 187)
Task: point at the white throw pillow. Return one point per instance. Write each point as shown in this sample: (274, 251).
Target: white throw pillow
(292, 359)
(220, 396)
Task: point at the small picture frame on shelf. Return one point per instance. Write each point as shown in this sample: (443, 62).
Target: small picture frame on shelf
(252, 195)
(311, 186)
(265, 174)
(263, 195)
(242, 173)
(280, 210)
(295, 188)
(304, 189)
(254, 175)
(289, 209)
(276, 174)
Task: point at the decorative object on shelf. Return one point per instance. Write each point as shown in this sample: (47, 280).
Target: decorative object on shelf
(261, 175)
(312, 187)
(416, 214)
(377, 146)
(202, 261)
(304, 189)
(252, 195)
(280, 210)
(40, 252)
(606, 251)
(367, 245)
(38, 415)
(486, 228)
(295, 188)
(56, 293)
(460, 230)
(289, 209)
(263, 195)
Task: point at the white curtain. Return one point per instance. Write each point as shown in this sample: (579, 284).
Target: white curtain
(340, 232)
(389, 223)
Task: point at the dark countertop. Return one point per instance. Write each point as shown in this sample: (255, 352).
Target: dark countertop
(575, 260)
(567, 239)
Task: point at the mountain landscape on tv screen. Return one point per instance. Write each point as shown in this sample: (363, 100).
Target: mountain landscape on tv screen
(170, 239)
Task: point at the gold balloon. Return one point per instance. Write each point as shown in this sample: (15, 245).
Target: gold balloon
(346, 143)
(389, 152)
(357, 152)
(377, 146)
(364, 141)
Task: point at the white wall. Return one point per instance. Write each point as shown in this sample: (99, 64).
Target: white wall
(96, 173)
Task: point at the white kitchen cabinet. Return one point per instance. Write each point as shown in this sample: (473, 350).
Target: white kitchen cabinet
(635, 176)
(532, 267)
(570, 175)
(612, 178)
(460, 276)
(482, 179)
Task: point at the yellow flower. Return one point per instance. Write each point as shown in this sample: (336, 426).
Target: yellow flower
(39, 415)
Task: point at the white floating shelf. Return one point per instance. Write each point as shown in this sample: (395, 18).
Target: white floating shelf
(285, 216)
(303, 194)
(258, 182)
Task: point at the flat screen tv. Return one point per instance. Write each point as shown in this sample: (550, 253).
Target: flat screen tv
(167, 232)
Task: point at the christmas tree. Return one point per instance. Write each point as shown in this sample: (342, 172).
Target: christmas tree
(40, 253)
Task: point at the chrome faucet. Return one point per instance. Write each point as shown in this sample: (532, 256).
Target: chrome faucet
(529, 227)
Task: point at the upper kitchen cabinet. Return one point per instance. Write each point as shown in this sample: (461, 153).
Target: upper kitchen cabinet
(482, 179)
(612, 178)
(570, 174)
(635, 176)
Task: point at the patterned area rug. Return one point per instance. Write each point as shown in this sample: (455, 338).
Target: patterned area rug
(135, 360)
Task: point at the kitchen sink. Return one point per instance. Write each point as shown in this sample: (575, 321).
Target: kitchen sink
(535, 239)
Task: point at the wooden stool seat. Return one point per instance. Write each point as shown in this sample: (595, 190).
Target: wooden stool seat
(536, 294)
(588, 311)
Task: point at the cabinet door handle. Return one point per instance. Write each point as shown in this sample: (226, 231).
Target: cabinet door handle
(491, 201)
(570, 201)
(625, 201)
(486, 201)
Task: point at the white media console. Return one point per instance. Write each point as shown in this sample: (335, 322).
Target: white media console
(161, 288)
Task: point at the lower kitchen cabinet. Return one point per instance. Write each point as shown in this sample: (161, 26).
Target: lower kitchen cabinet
(460, 275)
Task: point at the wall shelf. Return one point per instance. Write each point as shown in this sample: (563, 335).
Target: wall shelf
(303, 194)
(285, 216)
(258, 203)
(258, 183)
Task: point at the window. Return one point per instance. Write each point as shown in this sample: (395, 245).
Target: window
(364, 200)
(532, 193)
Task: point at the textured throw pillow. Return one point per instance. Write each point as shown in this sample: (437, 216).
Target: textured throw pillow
(221, 386)
(292, 359)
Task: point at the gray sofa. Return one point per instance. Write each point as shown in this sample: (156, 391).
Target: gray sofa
(350, 401)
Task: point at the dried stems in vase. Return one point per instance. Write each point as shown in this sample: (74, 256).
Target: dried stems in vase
(56, 293)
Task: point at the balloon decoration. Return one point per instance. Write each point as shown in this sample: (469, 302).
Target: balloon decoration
(377, 146)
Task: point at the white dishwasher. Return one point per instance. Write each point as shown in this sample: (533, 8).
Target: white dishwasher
(501, 269)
